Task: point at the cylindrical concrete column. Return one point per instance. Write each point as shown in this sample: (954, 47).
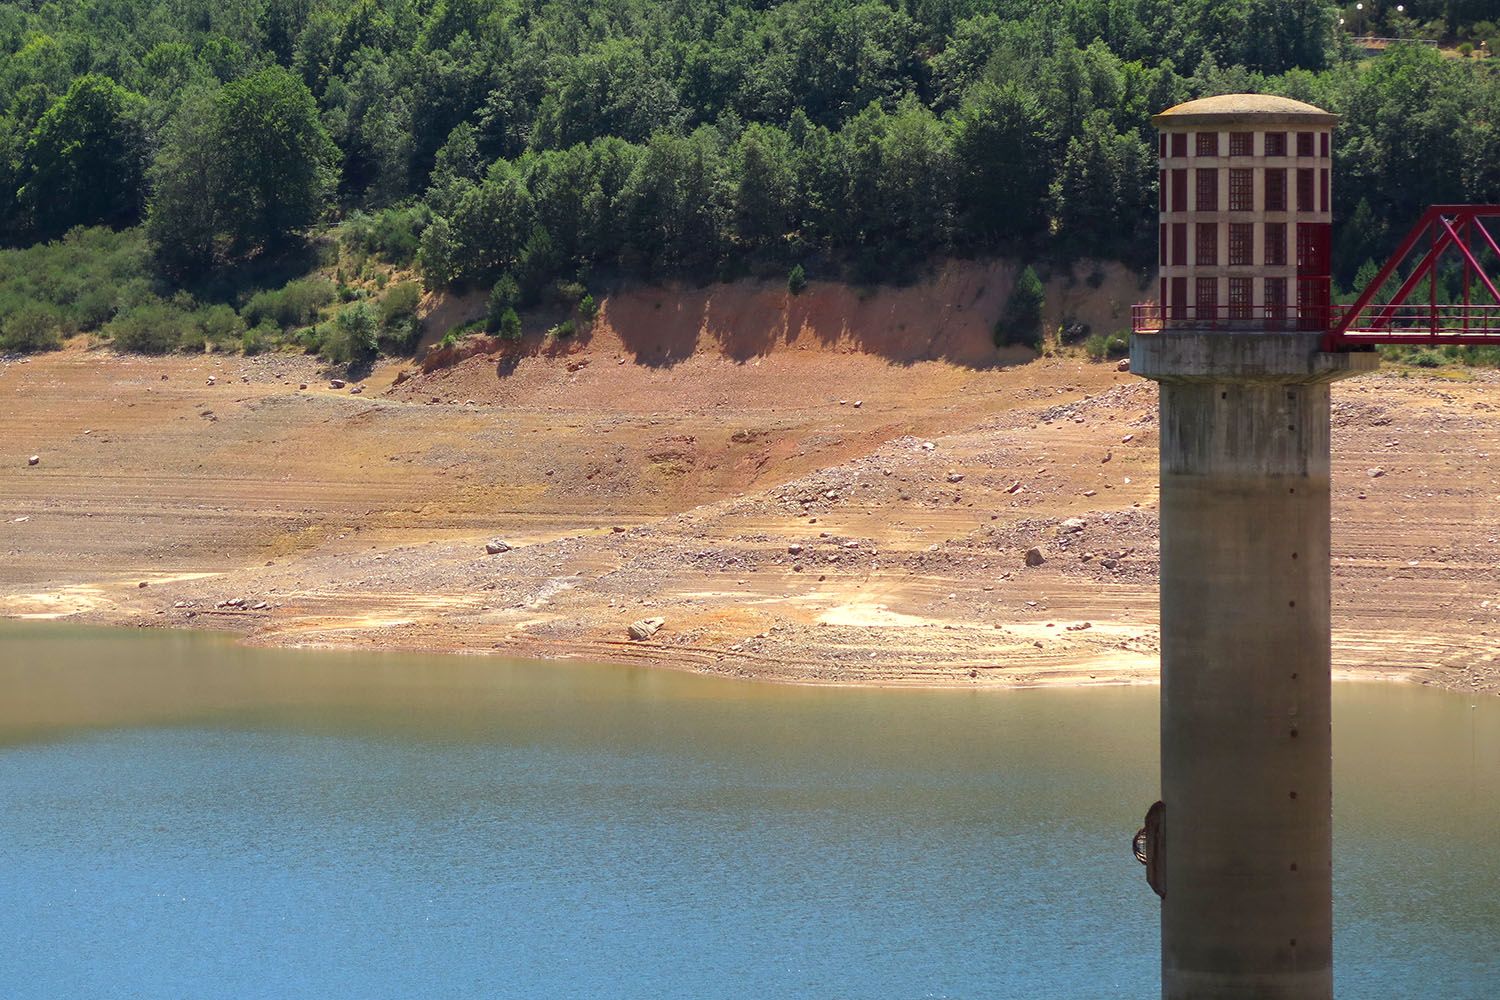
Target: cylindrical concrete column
(1246, 762)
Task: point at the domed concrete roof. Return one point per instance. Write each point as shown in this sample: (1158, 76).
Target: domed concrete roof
(1243, 109)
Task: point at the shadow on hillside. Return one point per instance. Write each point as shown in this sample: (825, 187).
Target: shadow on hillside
(946, 316)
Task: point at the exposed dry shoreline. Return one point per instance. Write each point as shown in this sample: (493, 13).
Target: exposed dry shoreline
(784, 532)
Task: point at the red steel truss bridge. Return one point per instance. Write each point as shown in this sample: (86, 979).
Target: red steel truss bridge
(1414, 314)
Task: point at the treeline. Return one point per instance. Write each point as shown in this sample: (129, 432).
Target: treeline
(549, 141)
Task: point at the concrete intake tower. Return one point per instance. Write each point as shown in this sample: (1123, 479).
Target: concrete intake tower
(1241, 849)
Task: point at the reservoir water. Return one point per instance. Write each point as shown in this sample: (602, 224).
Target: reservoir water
(184, 817)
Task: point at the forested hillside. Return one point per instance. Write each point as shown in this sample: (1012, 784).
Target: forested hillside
(527, 144)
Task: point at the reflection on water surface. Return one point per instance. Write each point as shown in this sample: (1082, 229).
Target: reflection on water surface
(186, 817)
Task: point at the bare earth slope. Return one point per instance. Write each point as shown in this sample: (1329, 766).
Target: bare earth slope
(814, 505)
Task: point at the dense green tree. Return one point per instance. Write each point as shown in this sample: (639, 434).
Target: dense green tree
(244, 170)
(84, 163)
(674, 205)
(764, 193)
(1100, 188)
(1003, 144)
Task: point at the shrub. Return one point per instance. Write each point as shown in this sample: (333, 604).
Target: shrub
(563, 329)
(153, 327)
(504, 297)
(587, 307)
(353, 335)
(796, 280)
(1107, 345)
(1021, 322)
(221, 326)
(297, 303)
(568, 293)
(397, 232)
(510, 325)
(257, 338)
(399, 327)
(32, 327)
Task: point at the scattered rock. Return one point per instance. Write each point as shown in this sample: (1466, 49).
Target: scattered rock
(794, 549)
(1376, 473)
(1014, 488)
(302, 385)
(495, 546)
(34, 460)
(336, 383)
(1123, 366)
(401, 376)
(143, 585)
(858, 403)
(645, 628)
(618, 529)
(928, 446)
(955, 477)
(1034, 556)
(357, 390)
(1127, 439)
(1107, 456)
(1072, 526)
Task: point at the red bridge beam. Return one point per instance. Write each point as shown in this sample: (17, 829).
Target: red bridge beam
(1441, 227)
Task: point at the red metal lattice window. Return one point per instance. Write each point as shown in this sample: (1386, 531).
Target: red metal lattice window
(1241, 244)
(1275, 253)
(1241, 189)
(1305, 190)
(1312, 303)
(1275, 301)
(1179, 143)
(1207, 298)
(1242, 144)
(1207, 253)
(1179, 190)
(1275, 189)
(1208, 144)
(1304, 144)
(1239, 297)
(1179, 244)
(1208, 190)
(1162, 243)
(1161, 190)
(1323, 189)
(1313, 240)
(1275, 143)
(1179, 298)
(1161, 145)
(1324, 139)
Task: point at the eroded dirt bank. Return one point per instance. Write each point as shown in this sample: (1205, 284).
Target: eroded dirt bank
(803, 509)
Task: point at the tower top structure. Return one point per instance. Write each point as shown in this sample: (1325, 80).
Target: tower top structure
(1248, 109)
(1246, 212)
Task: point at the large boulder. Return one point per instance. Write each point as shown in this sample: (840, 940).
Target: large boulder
(645, 628)
(495, 546)
(1034, 556)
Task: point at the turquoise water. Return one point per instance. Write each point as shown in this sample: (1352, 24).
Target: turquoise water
(182, 817)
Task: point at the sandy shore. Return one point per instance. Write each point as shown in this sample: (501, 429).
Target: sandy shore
(812, 513)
